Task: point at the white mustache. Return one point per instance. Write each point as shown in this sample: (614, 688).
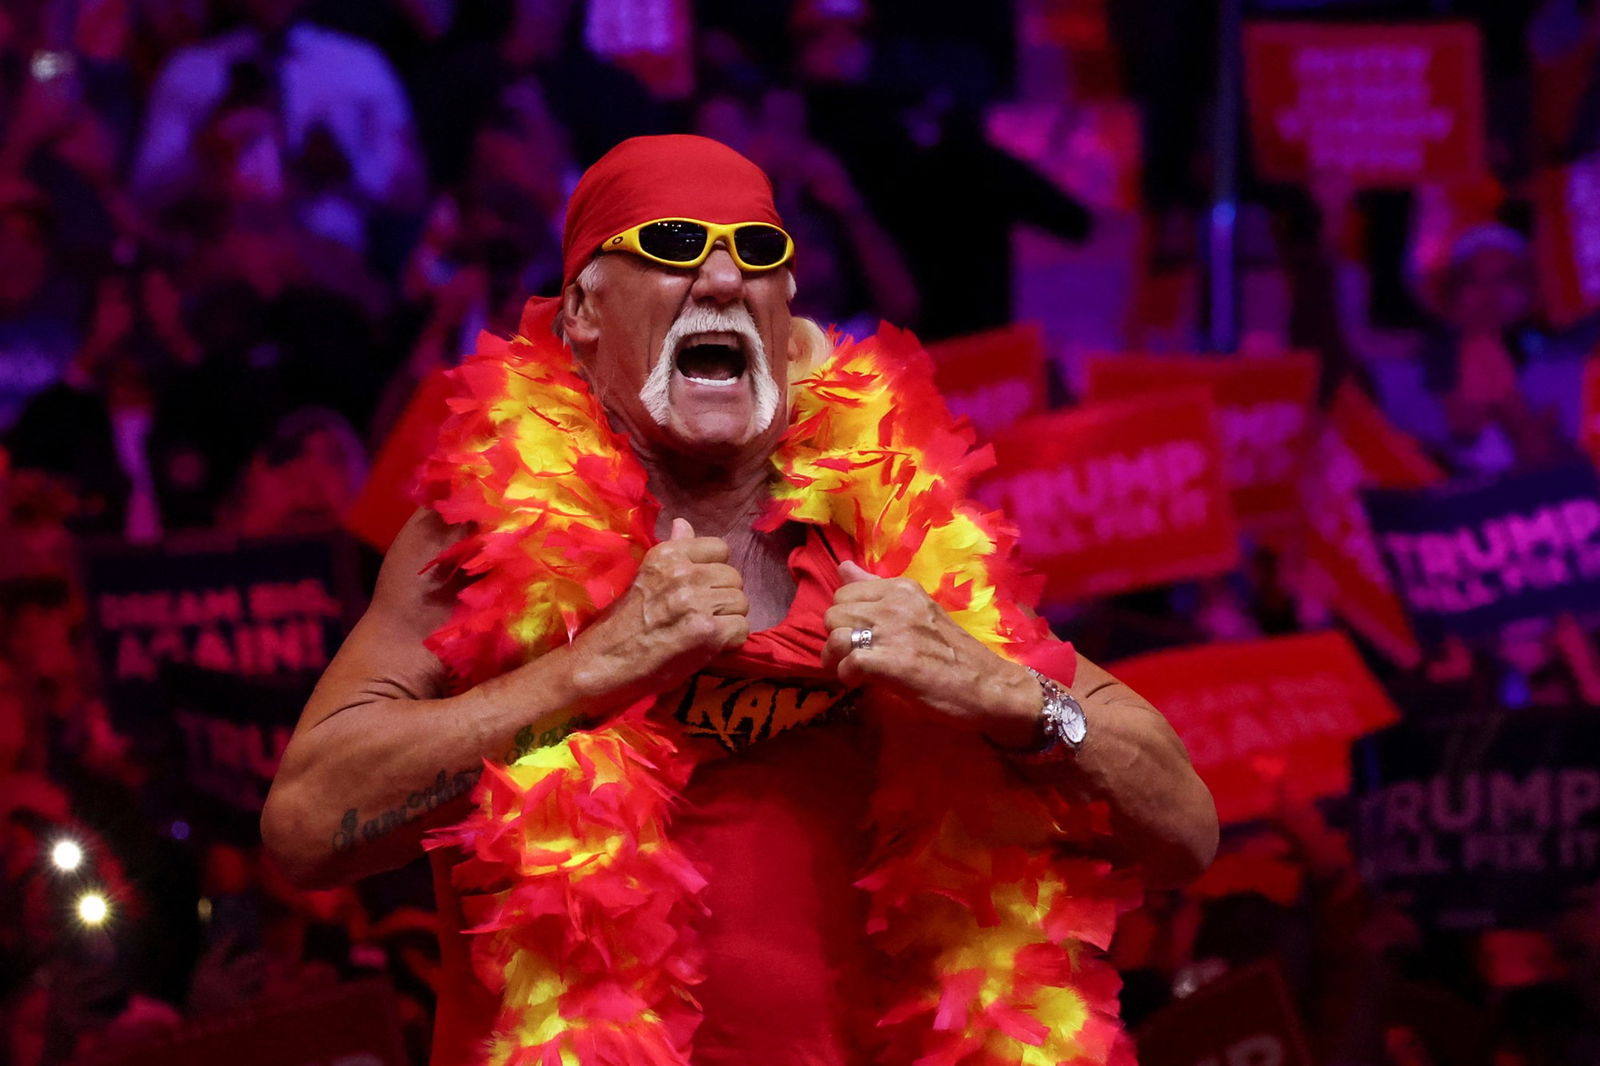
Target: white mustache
(656, 394)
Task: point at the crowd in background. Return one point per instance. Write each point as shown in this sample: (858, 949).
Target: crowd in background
(236, 234)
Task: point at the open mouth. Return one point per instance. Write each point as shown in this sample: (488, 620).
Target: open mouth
(716, 360)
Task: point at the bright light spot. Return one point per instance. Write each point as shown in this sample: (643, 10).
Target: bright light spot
(203, 908)
(93, 908)
(67, 855)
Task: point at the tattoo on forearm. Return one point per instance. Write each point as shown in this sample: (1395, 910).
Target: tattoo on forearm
(527, 740)
(445, 787)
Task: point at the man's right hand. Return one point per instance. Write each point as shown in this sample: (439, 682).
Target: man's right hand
(685, 606)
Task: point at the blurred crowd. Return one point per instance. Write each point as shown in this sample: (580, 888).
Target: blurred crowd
(236, 234)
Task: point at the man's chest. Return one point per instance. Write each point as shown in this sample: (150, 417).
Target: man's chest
(769, 585)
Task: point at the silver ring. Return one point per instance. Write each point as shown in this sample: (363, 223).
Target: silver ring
(860, 639)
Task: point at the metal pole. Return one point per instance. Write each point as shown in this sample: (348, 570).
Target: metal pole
(1222, 266)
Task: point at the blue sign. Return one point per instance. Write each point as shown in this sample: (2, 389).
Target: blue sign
(209, 647)
(1470, 558)
(1480, 820)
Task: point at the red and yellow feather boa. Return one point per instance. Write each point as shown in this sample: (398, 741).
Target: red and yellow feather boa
(983, 907)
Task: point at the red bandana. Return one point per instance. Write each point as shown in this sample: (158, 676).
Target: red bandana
(646, 178)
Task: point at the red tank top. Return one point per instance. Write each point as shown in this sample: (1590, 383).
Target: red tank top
(774, 817)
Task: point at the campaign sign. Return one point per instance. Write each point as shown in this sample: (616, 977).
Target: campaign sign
(231, 732)
(1481, 820)
(1382, 105)
(1567, 239)
(353, 1024)
(1265, 718)
(1244, 1018)
(994, 378)
(1115, 497)
(1336, 557)
(1264, 406)
(1468, 559)
(210, 647)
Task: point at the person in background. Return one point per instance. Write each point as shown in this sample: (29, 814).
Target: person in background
(501, 49)
(297, 78)
(908, 126)
(302, 478)
(1494, 388)
(853, 274)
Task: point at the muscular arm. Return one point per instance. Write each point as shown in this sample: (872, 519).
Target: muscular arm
(1162, 817)
(381, 755)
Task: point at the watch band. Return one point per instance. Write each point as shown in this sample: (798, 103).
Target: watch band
(1062, 719)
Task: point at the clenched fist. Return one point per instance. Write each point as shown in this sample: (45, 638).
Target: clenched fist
(685, 606)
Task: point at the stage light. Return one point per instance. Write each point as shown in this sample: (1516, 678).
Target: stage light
(93, 909)
(67, 855)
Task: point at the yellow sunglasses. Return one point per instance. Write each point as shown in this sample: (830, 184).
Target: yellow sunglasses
(687, 242)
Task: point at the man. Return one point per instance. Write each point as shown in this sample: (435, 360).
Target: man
(782, 754)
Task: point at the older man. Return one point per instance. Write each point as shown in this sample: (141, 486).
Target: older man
(762, 775)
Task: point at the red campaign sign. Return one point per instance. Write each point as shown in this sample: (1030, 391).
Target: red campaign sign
(1567, 239)
(1244, 1018)
(1264, 407)
(994, 378)
(343, 1025)
(1115, 497)
(1391, 458)
(1382, 105)
(1265, 718)
(1337, 554)
(385, 502)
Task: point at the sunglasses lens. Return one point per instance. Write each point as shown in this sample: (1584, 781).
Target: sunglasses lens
(675, 240)
(760, 245)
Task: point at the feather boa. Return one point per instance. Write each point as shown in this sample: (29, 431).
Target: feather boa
(990, 918)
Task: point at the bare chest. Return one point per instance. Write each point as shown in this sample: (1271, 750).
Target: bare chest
(762, 559)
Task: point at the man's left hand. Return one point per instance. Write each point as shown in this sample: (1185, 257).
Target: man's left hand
(919, 651)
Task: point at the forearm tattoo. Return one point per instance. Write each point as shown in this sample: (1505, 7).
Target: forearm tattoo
(445, 787)
(527, 740)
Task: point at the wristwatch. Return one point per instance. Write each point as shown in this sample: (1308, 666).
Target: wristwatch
(1064, 723)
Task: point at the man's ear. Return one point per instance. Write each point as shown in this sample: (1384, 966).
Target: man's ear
(579, 323)
(808, 347)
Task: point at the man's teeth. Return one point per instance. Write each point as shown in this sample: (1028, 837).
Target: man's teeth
(713, 360)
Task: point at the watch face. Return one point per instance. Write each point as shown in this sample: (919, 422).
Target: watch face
(1073, 727)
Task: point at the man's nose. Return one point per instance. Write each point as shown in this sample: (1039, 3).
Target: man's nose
(719, 278)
